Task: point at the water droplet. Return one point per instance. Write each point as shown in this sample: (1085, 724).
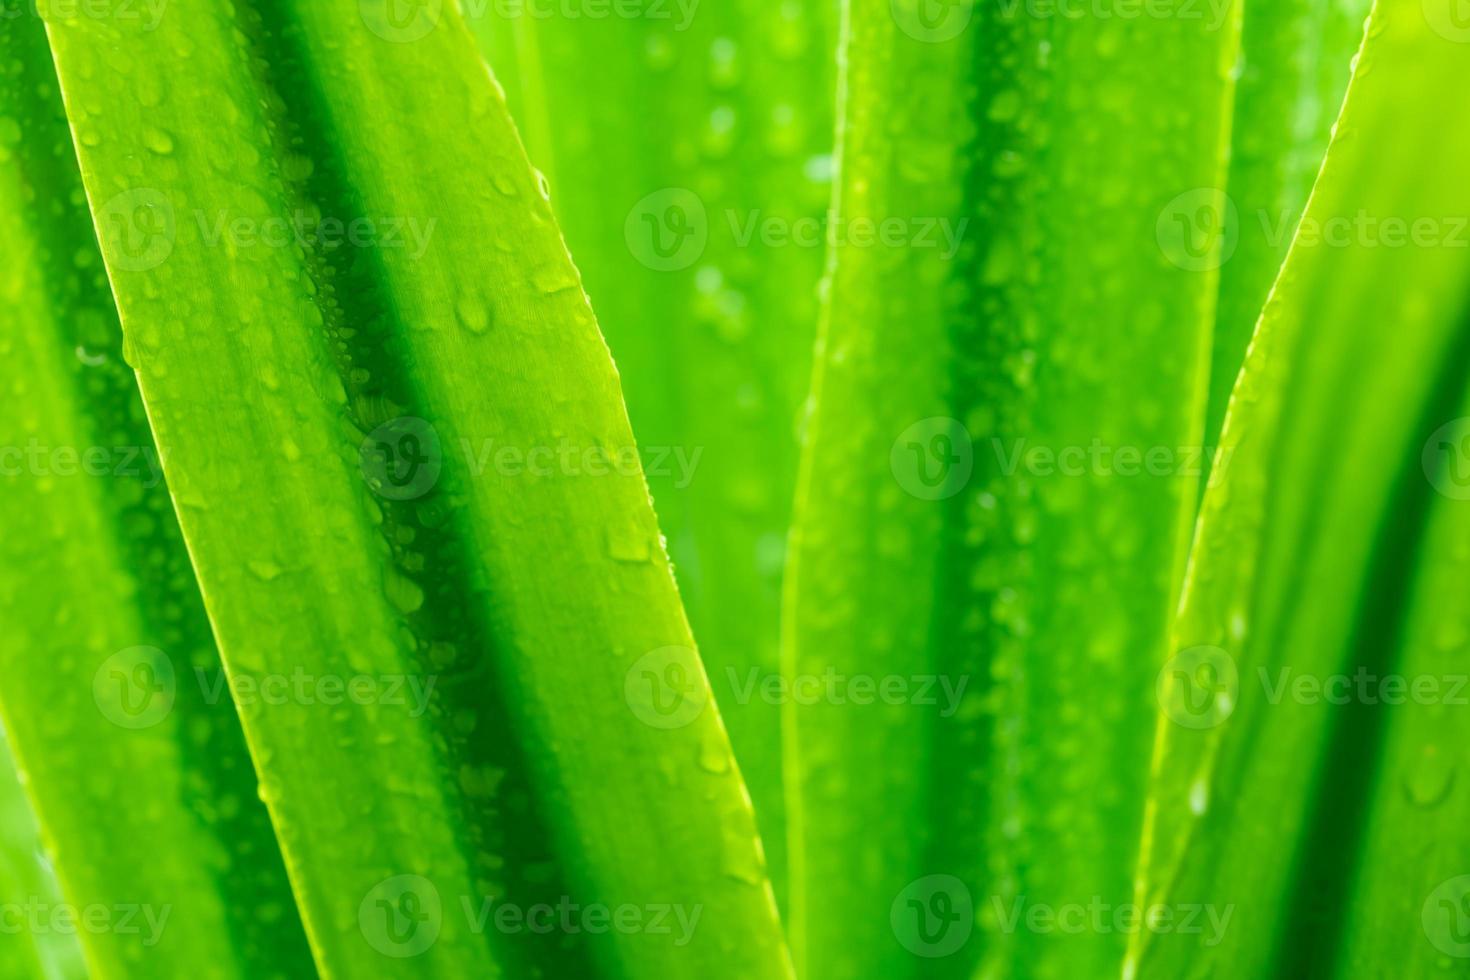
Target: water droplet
(158, 141)
(714, 758)
(1199, 797)
(1429, 778)
(630, 545)
(406, 595)
(473, 314)
(819, 169)
(296, 167)
(719, 137)
(658, 52)
(90, 358)
(555, 278)
(1005, 106)
(724, 68)
(264, 570)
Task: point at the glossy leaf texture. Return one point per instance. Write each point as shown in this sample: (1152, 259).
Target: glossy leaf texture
(693, 190)
(1295, 61)
(495, 700)
(1001, 477)
(112, 698)
(1305, 775)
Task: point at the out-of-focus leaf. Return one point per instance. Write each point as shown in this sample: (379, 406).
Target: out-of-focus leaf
(29, 891)
(693, 190)
(132, 753)
(1292, 794)
(1002, 474)
(1296, 57)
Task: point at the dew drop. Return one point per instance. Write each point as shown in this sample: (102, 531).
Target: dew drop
(264, 570)
(1199, 797)
(406, 595)
(1429, 778)
(473, 314)
(158, 141)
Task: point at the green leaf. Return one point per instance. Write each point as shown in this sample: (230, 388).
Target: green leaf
(139, 775)
(29, 888)
(1409, 873)
(531, 725)
(977, 528)
(1325, 555)
(1294, 68)
(693, 190)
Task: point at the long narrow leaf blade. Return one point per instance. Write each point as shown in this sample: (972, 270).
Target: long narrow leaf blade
(32, 947)
(693, 190)
(1002, 473)
(333, 400)
(110, 700)
(1296, 57)
(1273, 773)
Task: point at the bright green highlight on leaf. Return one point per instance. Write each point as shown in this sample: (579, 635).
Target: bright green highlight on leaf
(27, 879)
(1294, 65)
